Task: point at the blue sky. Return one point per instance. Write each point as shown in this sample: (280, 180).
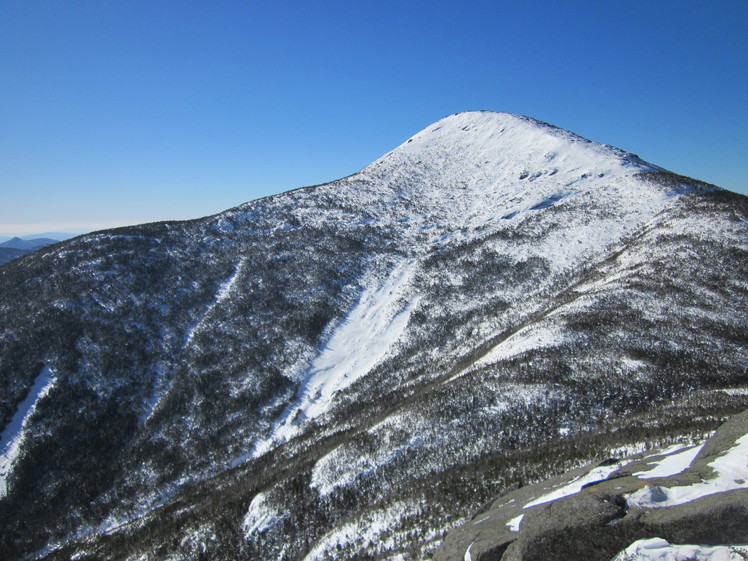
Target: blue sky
(125, 112)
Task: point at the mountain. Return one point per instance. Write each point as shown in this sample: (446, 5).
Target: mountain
(8, 254)
(17, 247)
(694, 495)
(349, 370)
(29, 244)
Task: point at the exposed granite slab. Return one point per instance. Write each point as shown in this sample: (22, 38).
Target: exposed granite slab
(598, 521)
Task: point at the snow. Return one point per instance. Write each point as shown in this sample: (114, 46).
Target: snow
(515, 167)
(362, 340)
(594, 475)
(511, 395)
(731, 471)
(374, 527)
(467, 556)
(657, 549)
(735, 391)
(341, 467)
(527, 339)
(672, 463)
(452, 183)
(628, 449)
(508, 166)
(17, 430)
(261, 516)
(515, 522)
(223, 292)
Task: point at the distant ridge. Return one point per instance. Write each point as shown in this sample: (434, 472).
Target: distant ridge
(29, 244)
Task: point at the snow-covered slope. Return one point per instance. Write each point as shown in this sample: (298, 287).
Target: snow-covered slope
(279, 376)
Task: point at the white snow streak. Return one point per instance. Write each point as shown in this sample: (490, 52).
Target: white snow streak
(372, 528)
(467, 556)
(671, 464)
(735, 391)
(15, 433)
(362, 340)
(528, 339)
(223, 291)
(594, 475)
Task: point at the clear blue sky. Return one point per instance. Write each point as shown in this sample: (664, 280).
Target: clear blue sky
(116, 112)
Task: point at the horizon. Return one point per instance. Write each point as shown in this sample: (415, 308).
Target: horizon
(117, 115)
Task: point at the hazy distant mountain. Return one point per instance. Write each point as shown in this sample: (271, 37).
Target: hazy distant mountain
(56, 236)
(347, 371)
(60, 236)
(29, 244)
(16, 247)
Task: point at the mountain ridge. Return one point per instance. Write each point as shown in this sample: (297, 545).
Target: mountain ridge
(303, 363)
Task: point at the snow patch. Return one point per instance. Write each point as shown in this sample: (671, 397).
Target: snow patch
(597, 474)
(17, 430)
(515, 522)
(512, 395)
(732, 473)
(657, 549)
(735, 391)
(672, 463)
(372, 528)
(530, 338)
(343, 466)
(261, 516)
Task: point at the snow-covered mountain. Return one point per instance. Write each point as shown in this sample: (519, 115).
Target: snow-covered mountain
(348, 370)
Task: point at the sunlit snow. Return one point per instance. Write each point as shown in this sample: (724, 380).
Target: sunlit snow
(515, 522)
(15, 433)
(530, 338)
(363, 339)
(657, 549)
(731, 471)
(260, 516)
(593, 476)
(223, 291)
(672, 464)
(373, 527)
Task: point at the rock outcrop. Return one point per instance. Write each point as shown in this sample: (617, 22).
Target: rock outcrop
(685, 495)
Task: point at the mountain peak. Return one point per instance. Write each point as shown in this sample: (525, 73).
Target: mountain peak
(472, 168)
(506, 135)
(507, 148)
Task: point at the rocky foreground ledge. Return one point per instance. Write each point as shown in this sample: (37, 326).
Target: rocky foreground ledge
(689, 501)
